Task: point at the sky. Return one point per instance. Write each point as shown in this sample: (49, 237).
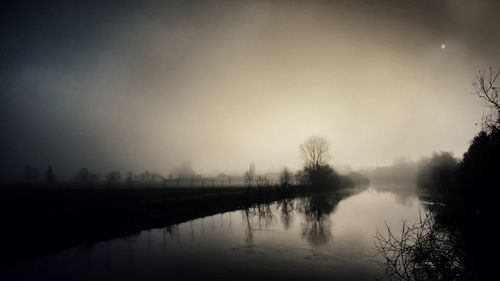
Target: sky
(118, 85)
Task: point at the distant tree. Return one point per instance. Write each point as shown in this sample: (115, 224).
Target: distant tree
(93, 178)
(315, 152)
(113, 177)
(358, 178)
(322, 176)
(83, 175)
(27, 173)
(49, 175)
(286, 177)
(148, 177)
(263, 181)
(438, 173)
(301, 177)
(31, 174)
(249, 178)
(129, 179)
(154, 178)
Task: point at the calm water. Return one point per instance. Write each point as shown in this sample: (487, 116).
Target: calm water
(320, 237)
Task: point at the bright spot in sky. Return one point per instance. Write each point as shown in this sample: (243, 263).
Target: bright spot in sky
(443, 46)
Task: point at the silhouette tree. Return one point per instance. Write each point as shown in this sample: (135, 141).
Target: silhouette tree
(83, 175)
(129, 179)
(263, 182)
(249, 178)
(423, 251)
(481, 163)
(315, 152)
(484, 88)
(49, 175)
(93, 178)
(286, 177)
(113, 177)
(30, 174)
(301, 177)
(438, 174)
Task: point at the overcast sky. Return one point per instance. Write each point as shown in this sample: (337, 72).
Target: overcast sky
(221, 84)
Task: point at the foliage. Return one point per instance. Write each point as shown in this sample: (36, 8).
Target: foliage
(322, 176)
(479, 168)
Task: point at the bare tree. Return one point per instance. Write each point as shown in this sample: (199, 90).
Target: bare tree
(129, 179)
(49, 175)
(314, 152)
(286, 177)
(484, 88)
(262, 181)
(31, 174)
(422, 251)
(83, 175)
(113, 177)
(249, 178)
(317, 171)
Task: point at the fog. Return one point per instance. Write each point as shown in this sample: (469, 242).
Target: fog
(223, 84)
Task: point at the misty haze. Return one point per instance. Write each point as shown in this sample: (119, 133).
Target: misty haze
(248, 140)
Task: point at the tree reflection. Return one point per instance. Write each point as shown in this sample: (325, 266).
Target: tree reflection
(286, 207)
(247, 215)
(264, 216)
(317, 225)
(316, 210)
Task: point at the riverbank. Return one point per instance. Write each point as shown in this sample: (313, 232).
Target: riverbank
(37, 221)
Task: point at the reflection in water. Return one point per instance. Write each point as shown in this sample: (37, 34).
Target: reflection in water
(317, 224)
(264, 216)
(316, 210)
(291, 239)
(316, 227)
(286, 207)
(403, 191)
(247, 215)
